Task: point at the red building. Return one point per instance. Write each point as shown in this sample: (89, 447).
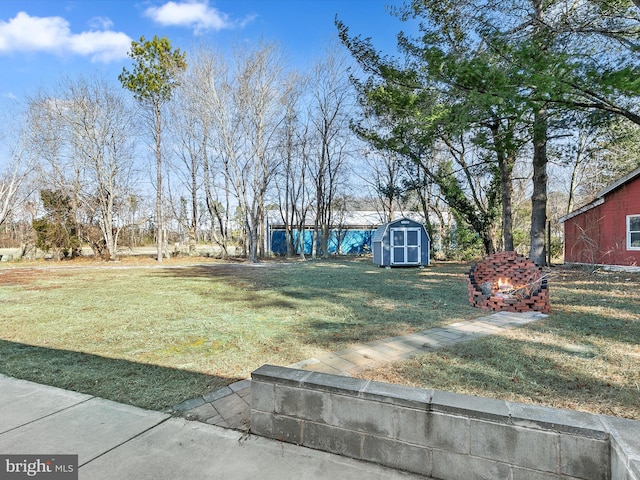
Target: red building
(607, 230)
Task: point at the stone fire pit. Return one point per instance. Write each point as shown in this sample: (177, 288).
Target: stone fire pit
(508, 282)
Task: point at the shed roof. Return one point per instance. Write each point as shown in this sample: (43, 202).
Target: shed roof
(378, 236)
(368, 219)
(599, 200)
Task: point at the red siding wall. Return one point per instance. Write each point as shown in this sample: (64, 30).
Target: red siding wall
(598, 236)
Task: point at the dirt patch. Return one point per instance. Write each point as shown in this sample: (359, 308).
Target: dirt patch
(233, 268)
(19, 276)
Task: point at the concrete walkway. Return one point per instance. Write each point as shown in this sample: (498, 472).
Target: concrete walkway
(230, 407)
(115, 441)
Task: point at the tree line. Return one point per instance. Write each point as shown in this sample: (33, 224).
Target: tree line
(466, 126)
(487, 84)
(231, 137)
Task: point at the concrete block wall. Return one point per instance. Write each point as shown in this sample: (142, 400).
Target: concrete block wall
(440, 434)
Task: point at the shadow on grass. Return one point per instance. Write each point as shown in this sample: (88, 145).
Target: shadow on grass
(146, 386)
(244, 282)
(342, 300)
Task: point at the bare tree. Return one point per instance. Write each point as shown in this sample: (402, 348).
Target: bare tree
(291, 181)
(330, 114)
(383, 176)
(259, 98)
(57, 169)
(222, 140)
(88, 131)
(191, 124)
(206, 128)
(14, 170)
(246, 124)
(103, 129)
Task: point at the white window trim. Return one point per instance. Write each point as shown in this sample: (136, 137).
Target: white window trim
(405, 246)
(629, 247)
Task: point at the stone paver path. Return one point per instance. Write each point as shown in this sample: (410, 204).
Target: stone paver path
(230, 406)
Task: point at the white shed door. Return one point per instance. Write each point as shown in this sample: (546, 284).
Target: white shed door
(405, 246)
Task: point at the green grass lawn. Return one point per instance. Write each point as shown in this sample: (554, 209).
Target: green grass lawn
(155, 335)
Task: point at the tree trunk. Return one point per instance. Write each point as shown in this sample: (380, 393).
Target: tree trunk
(537, 252)
(193, 229)
(301, 238)
(253, 242)
(315, 239)
(573, 182)
(506, 170)
(539, 197)
(487, 241)
(505, 164)
(159, 206)
(109, 237)
(326, 231)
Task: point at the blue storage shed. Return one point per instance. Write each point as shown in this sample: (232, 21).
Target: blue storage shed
(403, 242)
(346, 242)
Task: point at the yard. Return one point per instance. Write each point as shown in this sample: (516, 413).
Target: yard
(154, 335)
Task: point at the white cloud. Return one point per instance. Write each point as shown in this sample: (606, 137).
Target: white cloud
(194, 14)
(25, 33)
(101, 46)
(101, 23)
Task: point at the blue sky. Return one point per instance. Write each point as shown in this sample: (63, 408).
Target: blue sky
(42, 41)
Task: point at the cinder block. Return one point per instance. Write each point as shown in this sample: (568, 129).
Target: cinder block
(412, 426)
(524, 447)
(526, 474)
(556, 420)
(459, 435)
(334, 383)
(263, 396)
(279, 428)
(332, 439)
(304, 404)
(454, 466)
(367, 417)
(394, 454)
(280, 375)
(584, 458)
(472, 406)
(619, 470)
(418, 398)
(624, 434)
(448, 432)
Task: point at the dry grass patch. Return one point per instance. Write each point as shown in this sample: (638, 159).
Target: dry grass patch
(584, 356)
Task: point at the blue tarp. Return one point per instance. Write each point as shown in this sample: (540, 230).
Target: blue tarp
(352, 242)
